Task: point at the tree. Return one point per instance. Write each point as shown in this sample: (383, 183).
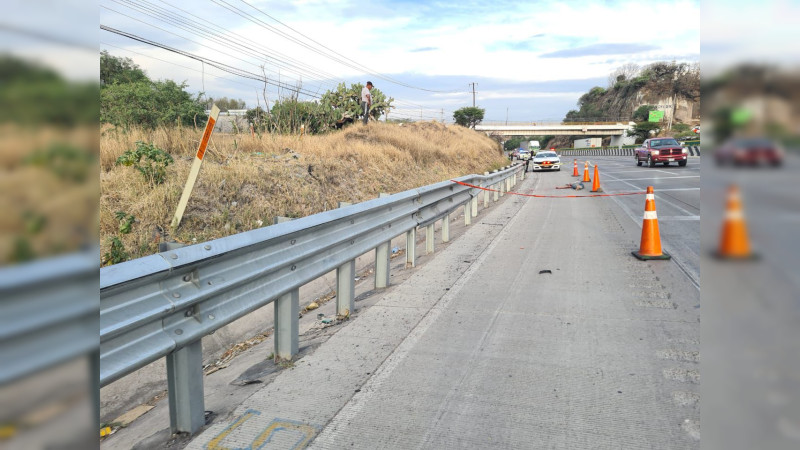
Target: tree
(345, 103)
(119, 70)
(469, 116)
(335, 108)
(149, 104)
(225, 103)
(642, 130)
(642, 113)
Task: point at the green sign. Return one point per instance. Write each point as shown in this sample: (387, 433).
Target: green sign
(741, 116)
(656, 116)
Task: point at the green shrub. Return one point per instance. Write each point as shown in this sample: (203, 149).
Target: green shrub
(154, 166)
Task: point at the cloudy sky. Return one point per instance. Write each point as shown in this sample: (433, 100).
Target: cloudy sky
(531, 60)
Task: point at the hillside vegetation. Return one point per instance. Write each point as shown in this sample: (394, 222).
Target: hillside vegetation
(246, 180)
(631, 87)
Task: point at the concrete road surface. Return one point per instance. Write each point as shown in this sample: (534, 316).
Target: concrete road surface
(534, 329)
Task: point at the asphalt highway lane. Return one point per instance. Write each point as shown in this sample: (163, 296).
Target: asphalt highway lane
(751, 312)
(677, 191)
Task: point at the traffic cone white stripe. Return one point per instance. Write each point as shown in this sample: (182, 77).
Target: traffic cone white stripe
(649, 215)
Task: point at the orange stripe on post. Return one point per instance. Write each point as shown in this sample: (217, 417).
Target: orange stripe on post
(201, 151)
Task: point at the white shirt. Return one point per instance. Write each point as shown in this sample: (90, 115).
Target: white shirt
(365, 95)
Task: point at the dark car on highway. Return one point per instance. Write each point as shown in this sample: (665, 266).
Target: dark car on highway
(750, 151)
(661, 150)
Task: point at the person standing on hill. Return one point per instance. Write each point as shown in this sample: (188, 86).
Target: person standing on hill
(366, 100)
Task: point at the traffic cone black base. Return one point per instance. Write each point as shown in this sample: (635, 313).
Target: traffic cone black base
(663, 255)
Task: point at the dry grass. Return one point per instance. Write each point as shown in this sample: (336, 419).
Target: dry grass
(41, 210)
(247, 180)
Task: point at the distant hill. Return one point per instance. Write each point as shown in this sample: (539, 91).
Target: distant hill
(670, 86)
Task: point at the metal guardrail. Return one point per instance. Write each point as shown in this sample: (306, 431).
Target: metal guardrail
(694, 150)
(48, 313)
(162, 305)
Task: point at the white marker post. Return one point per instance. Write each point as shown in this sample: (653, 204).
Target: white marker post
(198, 161)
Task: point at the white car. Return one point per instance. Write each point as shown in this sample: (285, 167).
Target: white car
(546, 161)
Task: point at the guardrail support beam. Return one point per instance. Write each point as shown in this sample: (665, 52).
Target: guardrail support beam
(346, 288)
(185, 388)
(411, 247)
(287, 325)
(429, 238)
(475, 206)
(382, 265)
(522, 175)
(467, 214)
(485, 199)
(446, 228)
(503, 184)
(496, 188)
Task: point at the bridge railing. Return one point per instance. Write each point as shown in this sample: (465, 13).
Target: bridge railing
(162, 305)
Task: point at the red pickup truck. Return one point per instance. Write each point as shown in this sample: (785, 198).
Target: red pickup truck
(661, 150)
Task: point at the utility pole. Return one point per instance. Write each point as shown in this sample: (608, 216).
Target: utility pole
(473, 93)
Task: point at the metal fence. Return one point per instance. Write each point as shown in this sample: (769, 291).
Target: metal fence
(162, 305)
(694, 150)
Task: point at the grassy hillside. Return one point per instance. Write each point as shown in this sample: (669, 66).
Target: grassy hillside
(247, 180)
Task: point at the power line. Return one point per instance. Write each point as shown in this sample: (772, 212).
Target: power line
(221, 66)
(182, 37)
(225, 38)
(340, 59)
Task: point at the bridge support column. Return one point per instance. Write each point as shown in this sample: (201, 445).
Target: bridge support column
(411, 247)
(345, 288)
(185, 388)
(446, 228)
(287, 325)
(429, 238)
(467, 214)
(382, 265)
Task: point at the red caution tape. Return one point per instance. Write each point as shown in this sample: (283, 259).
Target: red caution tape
(549, 196)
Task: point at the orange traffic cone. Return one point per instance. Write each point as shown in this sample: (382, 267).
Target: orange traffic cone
(650, 247)
(734, 243)
(596, 182)
(575, 169)
(586, 171)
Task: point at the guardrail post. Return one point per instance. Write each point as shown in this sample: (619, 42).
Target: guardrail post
(382, 265)
(496, 193)
(502, 185)
(522, 175)
(429, 238)
(345, 288)
(475, 206)
(467, 215)
(185, 388)
(411, 247)
(287, 325)
(446, 228)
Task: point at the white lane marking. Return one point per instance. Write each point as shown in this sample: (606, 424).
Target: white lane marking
(678, 218)
(656, 178)
(679, 189)
(661, 198)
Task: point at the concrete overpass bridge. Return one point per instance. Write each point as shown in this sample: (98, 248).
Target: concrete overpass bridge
(555, 129)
